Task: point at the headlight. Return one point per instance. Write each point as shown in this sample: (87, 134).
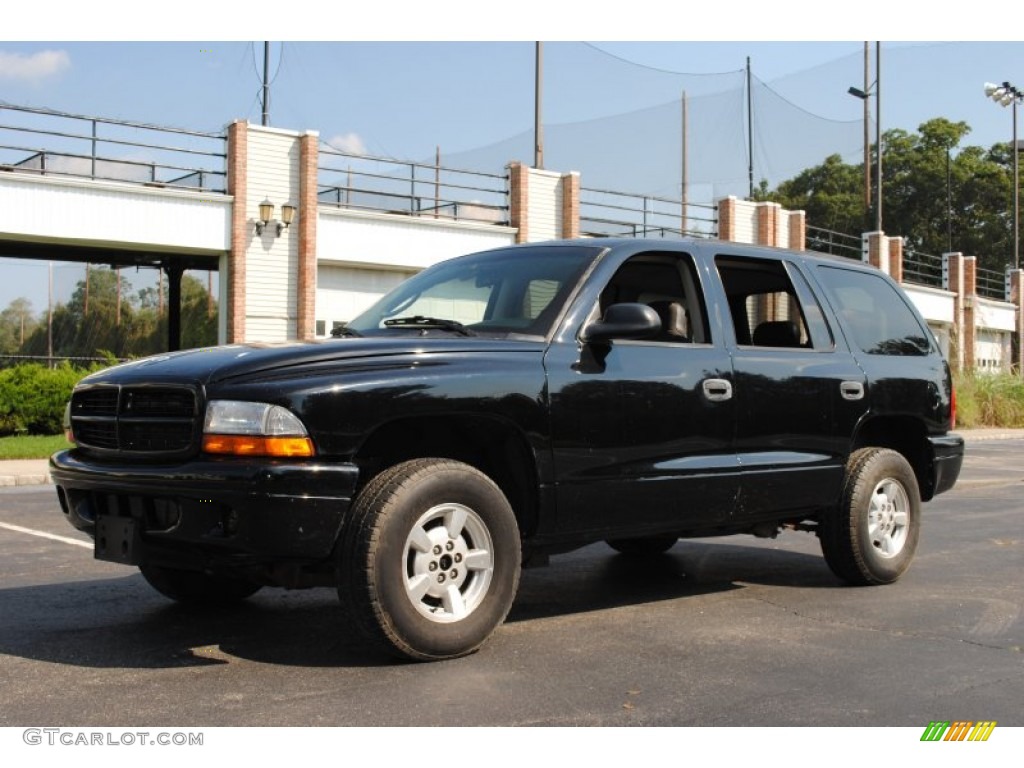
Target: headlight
(241, 428)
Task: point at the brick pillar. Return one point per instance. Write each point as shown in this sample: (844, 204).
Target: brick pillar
(571, 204)
(953, 281)
(727, 218)
(768, 223)
(874, 250)
(797, 230)
(1017, 297)
(309, 153)
(970, 300)
(896, 258)
(237, 166)
(518, 197)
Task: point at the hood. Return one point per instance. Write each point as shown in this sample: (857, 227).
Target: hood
(211, 364)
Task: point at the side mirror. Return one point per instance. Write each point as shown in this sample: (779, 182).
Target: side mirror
(624, 321)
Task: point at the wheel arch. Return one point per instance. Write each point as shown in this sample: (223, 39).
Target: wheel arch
(905, 435)
(491, 444)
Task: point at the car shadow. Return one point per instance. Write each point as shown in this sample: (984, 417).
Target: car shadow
(597, 578)
(122, 623)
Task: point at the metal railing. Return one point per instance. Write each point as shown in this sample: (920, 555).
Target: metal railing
(835, 243)
(922, 268)
(48, 142)
(605, 213)
(362, 182)
(50, 361)
(990, 284)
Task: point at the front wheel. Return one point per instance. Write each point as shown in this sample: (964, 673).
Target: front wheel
(430, 560)
(196, 588)
(871, 537)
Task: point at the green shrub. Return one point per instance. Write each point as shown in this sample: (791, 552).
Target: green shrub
(32, 397)
(989, 400)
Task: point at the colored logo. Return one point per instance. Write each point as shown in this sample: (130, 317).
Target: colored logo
(959, 730)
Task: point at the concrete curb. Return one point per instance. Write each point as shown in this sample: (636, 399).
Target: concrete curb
(15, 472)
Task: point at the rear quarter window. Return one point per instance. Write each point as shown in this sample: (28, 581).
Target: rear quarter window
(875, 314)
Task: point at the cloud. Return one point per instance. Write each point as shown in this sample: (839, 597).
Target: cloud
(352, 143)
(34, 67)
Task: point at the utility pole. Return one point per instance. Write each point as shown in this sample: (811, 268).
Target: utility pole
(685, 212)
(878, 135)
(266, 83)
(538, 93)
(750, 131)
(867, 135)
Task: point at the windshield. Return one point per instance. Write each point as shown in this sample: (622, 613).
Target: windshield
(518, 291)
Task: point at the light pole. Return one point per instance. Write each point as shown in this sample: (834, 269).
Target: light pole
(1006, 95)
(874, 89)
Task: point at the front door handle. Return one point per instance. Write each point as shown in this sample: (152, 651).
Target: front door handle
(852, 390)
(717, 390)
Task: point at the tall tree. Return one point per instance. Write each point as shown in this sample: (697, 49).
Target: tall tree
(142, 330)
(17, 322)
(937, 195)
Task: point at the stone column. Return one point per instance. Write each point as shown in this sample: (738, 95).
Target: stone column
(518, 200)
(875, 251)
(797, 230)
(953, 281)
(768, 223)
(237, 166)
(1017, 297)
(571, 204)
(727, 219)
(896, 258)
(309, 153)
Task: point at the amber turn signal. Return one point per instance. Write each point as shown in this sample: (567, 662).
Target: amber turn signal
(249, 445)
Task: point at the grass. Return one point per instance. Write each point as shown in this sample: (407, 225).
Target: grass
(31, 446)
(989, 400)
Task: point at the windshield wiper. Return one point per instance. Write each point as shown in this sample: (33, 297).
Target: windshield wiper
(427, 323)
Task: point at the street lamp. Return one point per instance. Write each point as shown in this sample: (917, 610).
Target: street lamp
(1006, 95)
(875, 89)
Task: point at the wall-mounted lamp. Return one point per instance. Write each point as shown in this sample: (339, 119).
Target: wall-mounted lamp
(267, 215)
(287, 216)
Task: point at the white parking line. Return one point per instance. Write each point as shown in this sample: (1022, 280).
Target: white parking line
(45, 535)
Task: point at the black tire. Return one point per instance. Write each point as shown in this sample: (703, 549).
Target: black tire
(872, 535)
(196, 588)
(405, 569)
(643, 547)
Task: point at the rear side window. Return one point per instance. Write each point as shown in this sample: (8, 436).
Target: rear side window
(876, 314)
(765, 306)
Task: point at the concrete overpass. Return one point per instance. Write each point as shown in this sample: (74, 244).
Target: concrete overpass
(305, 237)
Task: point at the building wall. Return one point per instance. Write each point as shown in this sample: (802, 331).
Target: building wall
(118, 215)
(544, 206)
(362, 255)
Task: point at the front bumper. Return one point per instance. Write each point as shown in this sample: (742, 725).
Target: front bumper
(240, 510)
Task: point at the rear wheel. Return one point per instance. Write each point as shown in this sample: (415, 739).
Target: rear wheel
(645, 546)
(196, 588)
(430, 560)
(871, 537)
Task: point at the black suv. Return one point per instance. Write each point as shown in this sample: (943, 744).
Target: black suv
(509, 405)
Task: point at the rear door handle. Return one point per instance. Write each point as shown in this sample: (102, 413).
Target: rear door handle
(717, 390)
(852, 390)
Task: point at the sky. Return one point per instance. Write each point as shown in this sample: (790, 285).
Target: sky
(419, 77)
